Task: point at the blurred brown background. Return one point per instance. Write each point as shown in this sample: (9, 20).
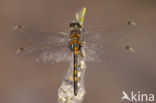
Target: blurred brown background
(23, 81)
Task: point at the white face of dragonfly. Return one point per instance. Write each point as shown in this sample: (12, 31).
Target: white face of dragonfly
(76, 27)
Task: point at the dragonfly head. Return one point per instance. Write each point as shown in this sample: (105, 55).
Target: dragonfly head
(75, 26)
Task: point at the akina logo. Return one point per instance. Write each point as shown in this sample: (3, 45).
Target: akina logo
(137, 96)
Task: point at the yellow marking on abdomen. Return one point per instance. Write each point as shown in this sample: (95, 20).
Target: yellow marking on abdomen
(75, 79)
(75, 65)
(75, 72)
(75, 52)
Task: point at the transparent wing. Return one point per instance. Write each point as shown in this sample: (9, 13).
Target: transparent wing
(114, 33)
(31, 36)
(42, 46)
(105, 44)
(46, 54)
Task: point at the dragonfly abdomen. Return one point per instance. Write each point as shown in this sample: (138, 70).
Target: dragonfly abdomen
(75, 71)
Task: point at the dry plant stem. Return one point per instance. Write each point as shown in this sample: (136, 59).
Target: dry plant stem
(66, 90)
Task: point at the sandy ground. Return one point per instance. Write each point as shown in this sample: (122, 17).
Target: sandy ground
(24, 81)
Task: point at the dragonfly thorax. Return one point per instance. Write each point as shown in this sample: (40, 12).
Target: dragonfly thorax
(75, 37)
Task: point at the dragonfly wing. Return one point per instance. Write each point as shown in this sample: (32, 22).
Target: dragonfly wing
(109, 34)
(46, 54)
(107, 43)
(96, 53)
(56, 55)
(42, 46)
(30, 36)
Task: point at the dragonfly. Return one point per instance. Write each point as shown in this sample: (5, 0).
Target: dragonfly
(99, 45)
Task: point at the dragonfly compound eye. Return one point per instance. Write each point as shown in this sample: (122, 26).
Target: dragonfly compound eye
(78, 24)
(72, 25)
